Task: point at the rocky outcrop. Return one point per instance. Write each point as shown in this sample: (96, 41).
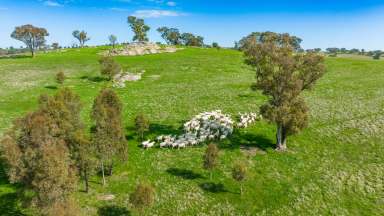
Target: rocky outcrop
(137, 49)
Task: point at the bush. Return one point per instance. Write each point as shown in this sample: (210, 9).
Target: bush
(143, 196)
(239, 172)
(60, 77)
(141, 125)
(210, 158)
(109, 67)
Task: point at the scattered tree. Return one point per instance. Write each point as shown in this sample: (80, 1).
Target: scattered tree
(139, 28)
(55, 46)
(210, 158)
(282, 74)
(215, 45)
(112, 40)
(377, 55)
(60, 77)
(141, 125)
(109, 67)
(108, 135)
(81, 36)
(84, 156)
(171, 35)
(143, 196)
(239, 172)
(33, 37)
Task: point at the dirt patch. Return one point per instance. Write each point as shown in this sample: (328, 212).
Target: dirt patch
(106, 197)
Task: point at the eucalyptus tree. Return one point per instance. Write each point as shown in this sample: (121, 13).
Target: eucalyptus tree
(282, 75)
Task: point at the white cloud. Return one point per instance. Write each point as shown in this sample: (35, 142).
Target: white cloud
(52, 4)
(171, 3)
(156, 13)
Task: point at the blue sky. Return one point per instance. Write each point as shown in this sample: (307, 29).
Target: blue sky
(321, 23)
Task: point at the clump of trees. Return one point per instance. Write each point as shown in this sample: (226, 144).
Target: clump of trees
(39, 150)
(173, 37)
(282, 75)
(376, 54)
(109, 67)
(141, 125)
(108, 135)
(262, 37)
(139, 29)
(81, 36)
(33, 37)
(143, 196)
(210, 158)
(189, 39)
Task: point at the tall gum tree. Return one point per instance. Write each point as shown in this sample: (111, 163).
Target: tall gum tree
(282, 74)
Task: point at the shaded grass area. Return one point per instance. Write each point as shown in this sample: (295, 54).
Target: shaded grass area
(335, 167)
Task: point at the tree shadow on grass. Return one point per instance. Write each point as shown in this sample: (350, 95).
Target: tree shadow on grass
(15, 56)
(8, 201)
(213, 187)
(184, 173)
(51, 87)
(249, 140)
(113, 210)
(94, 78)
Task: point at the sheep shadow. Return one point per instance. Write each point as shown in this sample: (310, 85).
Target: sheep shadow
(113, 210)
(160, 129)
(184, 173)
(249, 140)
(213, 187)
(94, 78)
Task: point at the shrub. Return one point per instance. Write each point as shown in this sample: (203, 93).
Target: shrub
(109, 67)
(239, 172)
(210, 158)
(377, 56)
(143, 196)
(60, 77)
(141, 125)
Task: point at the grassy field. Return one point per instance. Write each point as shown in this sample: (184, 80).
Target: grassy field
(334, 167)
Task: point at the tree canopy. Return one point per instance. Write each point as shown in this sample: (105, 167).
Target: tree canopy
(81, 36)
(33, 37)
(139, 28)
(171, 35)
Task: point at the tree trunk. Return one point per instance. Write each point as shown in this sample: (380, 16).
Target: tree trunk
(110, 169)
(86, 181)
(102, 172)
(281, 138)
(33, 53)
